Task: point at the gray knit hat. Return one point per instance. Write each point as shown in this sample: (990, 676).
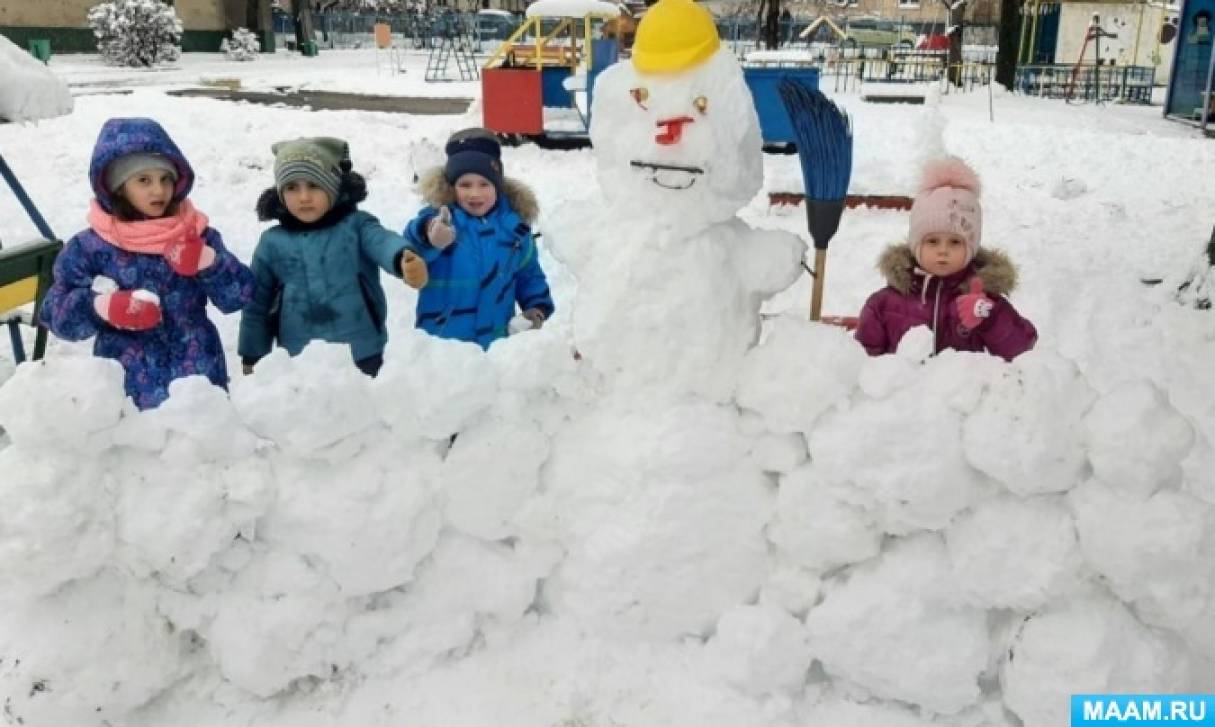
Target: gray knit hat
(321, 160)
(126, 166)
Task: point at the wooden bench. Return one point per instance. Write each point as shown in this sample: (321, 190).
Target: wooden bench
(26, 274)
(25, 278)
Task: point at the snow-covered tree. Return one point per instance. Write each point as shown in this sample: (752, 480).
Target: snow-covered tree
(244, 45)
(136, 32)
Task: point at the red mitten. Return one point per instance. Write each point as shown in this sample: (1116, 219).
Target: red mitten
(133, 310)
(974, 307)
(188, 255)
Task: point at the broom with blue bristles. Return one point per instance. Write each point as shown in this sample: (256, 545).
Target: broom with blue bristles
(823, 134)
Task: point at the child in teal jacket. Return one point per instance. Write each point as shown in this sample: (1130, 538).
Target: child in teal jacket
(317, 273)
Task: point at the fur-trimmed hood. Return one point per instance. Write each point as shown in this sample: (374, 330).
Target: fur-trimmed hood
(437, 191)
(353, 190)
(994, 268)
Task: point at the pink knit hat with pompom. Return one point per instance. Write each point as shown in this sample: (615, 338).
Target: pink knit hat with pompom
(948, 201)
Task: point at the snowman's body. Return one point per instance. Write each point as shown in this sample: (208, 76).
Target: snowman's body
(669, 299)
(664, 313)
(670, 284)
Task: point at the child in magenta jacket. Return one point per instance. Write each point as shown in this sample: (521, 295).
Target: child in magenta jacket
(940, 278)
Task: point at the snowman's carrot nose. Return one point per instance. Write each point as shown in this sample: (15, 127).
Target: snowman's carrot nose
(671, 130)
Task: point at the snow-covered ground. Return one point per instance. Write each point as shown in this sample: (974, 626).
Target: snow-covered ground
(400, 72)
(955, 541)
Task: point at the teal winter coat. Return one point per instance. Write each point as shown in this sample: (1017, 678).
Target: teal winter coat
(320, 281)
(492, 267)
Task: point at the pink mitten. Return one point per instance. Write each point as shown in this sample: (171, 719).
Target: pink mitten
(188, 255)
(133, 310)
(974, 307)
(439, 232)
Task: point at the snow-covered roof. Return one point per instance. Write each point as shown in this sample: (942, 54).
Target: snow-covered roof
(571, 8)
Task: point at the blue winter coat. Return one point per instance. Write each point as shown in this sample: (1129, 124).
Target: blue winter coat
(320, 281)
(476, 282)
(186, 342)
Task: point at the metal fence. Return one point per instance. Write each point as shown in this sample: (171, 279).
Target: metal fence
(848, 75)
(343, 29)
(1129, 84)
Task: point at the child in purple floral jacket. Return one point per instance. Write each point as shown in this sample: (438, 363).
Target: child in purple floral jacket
(140, 277)
(941, 279)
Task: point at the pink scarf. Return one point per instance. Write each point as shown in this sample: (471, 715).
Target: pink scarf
(147, 237)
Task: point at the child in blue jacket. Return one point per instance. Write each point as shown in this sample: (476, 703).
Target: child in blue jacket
(476, 240)
(317, 272)
(139, 279)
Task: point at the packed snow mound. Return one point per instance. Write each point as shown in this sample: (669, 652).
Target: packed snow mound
(318, 530)
(28, 89)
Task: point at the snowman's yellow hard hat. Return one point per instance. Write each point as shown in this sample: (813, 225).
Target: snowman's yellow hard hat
(674, 35)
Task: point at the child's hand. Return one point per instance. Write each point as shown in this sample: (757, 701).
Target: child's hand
(188, 255)
(536, 316)
(974, 307)
(439, 231)
(132, 310)
(413, 269)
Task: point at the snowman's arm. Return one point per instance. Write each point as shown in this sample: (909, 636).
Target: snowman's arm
(768, 261)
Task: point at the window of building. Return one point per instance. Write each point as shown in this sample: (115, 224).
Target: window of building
(909, 3)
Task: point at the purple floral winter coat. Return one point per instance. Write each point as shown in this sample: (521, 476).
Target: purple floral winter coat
(916, 299)
(186, 342)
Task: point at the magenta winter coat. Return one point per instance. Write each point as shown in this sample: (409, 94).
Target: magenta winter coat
(917, 299)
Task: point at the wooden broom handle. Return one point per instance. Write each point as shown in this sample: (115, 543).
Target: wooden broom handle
(816, 294)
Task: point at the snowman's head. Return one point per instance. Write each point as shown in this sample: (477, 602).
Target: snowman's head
(675, 131)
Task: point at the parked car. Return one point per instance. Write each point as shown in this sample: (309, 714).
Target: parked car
(867, 32)
(495, 24)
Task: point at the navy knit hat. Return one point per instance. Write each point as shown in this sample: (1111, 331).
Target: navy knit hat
(474, 151)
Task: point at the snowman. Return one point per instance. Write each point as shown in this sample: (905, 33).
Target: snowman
(653, 492)
(670, 281)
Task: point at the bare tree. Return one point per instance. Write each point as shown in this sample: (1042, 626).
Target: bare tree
(957, 12)
(303, 22)
(1006, 56)
(769, 23)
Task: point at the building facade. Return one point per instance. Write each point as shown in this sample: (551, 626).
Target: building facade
(205, 22)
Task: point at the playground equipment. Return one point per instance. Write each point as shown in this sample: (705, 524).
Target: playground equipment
(455, 43)
(1094, 33)
(1191, 95)
(540, 81)
(25, 274)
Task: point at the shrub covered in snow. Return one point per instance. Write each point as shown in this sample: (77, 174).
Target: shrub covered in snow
(242, 46)
(136, 32)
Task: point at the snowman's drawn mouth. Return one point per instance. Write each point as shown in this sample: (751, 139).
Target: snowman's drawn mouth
(670, 176)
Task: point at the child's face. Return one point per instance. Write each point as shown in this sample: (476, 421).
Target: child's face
(475, 194)
(942, 254)
(305, 201)
(150, 191)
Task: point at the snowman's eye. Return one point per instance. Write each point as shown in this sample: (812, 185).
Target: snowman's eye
(640, 95)
(701, 103)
